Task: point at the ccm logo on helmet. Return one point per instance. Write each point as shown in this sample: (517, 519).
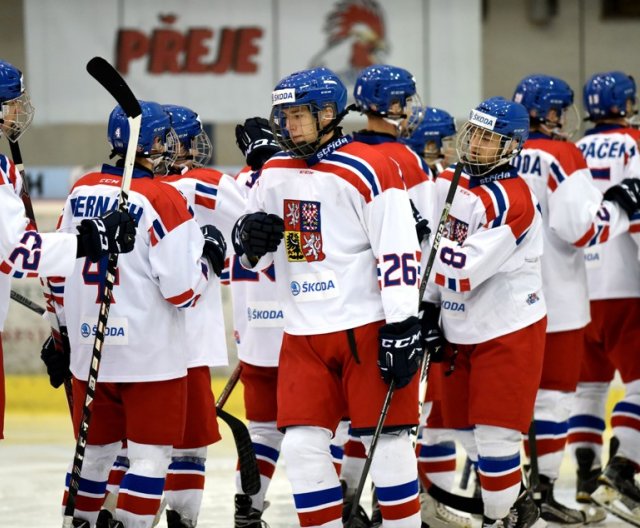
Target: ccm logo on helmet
(288, 95)
(482, 119)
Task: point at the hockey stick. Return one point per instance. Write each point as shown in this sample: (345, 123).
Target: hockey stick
(27, 303)
(52, 316)
(425, 364)
(249, 472)
(466, 473)
(111, 80)
(534, 474)
(228, 388)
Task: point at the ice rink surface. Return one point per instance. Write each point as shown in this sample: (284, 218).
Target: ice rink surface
(37, 449)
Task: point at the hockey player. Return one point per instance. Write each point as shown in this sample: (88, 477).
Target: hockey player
(215, 199)
(258, 327)
(24, 251)
(613, 271)
(574, 217)
(434, 139)
(141, 394)
(489, 297)
(347, 281)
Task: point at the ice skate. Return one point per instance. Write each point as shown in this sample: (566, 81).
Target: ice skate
(551, 510)
(618, 492)
(524, 513)
(175, 520)
(436, 515)
(245, 515)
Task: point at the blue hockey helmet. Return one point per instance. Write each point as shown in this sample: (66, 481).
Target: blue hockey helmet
(541, 93)
(157, 140)
(196, 145)
(495, 132)
(436, 125)
(379, 87)
(606, 95)
(16, 110)
(319, 90)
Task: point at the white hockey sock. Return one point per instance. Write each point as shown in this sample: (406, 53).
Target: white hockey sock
(499, 468)
(316, 489)
(395, 476)
(142, 485)
(184, 484)
(551, 415)
(586, 423)
(93, 480)
(625, 420)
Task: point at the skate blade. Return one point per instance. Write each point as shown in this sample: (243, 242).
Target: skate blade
(540, 523)
(593, 514)
(615, 503)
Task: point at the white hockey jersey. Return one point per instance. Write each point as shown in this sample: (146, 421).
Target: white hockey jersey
(574, 217)
(145, 334)
(258, 317)
(488, 263)
(612, 155)
(350, 250)
(216, 200)
(416, 175)
(24, 252)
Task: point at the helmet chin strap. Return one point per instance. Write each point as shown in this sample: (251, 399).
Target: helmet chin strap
(334, 122)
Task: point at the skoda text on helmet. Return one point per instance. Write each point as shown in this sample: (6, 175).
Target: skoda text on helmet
(322, 93)
(547, 99)
(493, 135)
(609, 95)
(436, 126)
(389, 92)
(195, 146)
(157, 140)
(16, 110)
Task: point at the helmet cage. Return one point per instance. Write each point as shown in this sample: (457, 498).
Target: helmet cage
(278, 122)
(16, 116)
(481, 150)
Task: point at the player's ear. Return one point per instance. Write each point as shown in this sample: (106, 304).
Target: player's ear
(327, 114)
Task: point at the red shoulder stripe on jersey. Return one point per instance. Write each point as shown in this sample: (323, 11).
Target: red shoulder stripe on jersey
(211, 176)
(584, 239)
(348, 175)
(487, 200)
(170, 205)
(521, 210)
(181, 299)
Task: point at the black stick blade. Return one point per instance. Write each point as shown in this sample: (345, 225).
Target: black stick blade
(112, 81)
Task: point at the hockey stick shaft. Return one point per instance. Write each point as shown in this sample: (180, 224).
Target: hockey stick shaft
(534, 476)
(52, 315)
(466, 474)
(228, 388)
(111, 80)
(27, 303)
(372, 449)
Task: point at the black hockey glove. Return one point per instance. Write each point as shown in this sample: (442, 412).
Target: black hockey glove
(400, 351)
(422, 225)
(114, 232)
(57, 363)
(215, 248)
(255, 140)
(626, 194)
(434, 341)
(257, 234)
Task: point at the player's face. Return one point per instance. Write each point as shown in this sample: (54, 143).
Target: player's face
(16, 116)
(485, 146)
(301, 124)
